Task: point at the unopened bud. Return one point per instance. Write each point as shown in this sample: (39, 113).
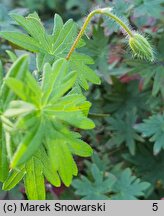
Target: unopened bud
(141, 47)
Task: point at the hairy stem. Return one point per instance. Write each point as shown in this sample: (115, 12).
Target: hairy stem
(103, 11)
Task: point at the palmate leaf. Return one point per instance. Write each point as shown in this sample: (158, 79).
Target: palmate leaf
(147, 165)
(119, 184)
(123, 97)
(61, 144)
(153, 128)
(52, 47)
(128, 187)
(96, 189)
(123, 131)
(41, 120)
(149, 71)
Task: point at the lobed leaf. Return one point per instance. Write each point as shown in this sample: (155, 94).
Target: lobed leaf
(153, 128)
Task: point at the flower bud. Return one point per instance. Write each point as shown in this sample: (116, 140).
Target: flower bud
(141, 47)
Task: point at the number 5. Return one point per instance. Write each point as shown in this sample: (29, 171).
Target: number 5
(155, 207)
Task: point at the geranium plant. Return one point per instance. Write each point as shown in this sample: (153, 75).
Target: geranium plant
(39, 113)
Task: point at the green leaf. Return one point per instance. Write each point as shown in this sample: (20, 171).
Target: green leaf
(98, 49)
(129, 187)
(1, 74)
(75, 118)
(82, 6)
(18, 108)
(32, 84)
(97, 189)
(79, 62)
(58, 25)
(29, 145)
(34, 180)
(153, 128)
(59, 152)
(39, 41)
(62, 159)
(147, 165)
(12, 55)
(102, 164)
(4, 166)
(123, 131)
(49, 172)
(9, 143)
(65, 38)
(149, 8)
(120, 9)
(57, 80)
(119, 184)
(14, 177)
(53, 47)
(123, 97)
(26, 90)
(150, 71)
(18, 87)
(75, 144)
(32, 24)
(80, 148)
(17, 71)
(22, 40)
(43, 117)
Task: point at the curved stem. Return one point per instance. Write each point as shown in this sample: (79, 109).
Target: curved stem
(104, 11)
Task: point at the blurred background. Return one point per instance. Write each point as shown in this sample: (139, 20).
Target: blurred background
(125, 97)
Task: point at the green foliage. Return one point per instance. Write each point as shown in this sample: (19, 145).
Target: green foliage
(5, 21)
(81, 5)
(129, 187)
(6, 95)
(97, 48)
(153, 128)
(52, 111)
(123, 98)
(117, 184)
(149, 8)
(123, 131)
(43, 110)
(147, 165)
(149, 71)
(94, 190)
(121, 9)
(13, 178)
(34, 179)
(39, 4)
(52, 47)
